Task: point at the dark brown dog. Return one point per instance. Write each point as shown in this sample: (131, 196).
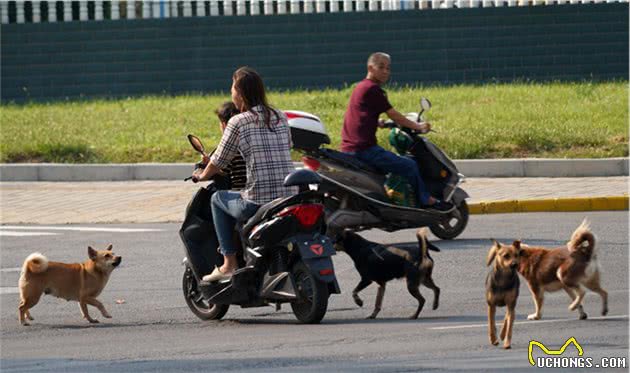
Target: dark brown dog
(81, 282)
(380, 264)
(569, 268)
(502, 285)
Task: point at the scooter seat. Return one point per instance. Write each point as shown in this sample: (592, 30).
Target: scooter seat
(262, 213)
(349, 160)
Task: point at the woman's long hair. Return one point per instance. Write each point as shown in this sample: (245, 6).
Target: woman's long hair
(250, 87)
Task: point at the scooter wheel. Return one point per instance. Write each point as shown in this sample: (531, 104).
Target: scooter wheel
(452, 225)
(311, 306)
(195, 301)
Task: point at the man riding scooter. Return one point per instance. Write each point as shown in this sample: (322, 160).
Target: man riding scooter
(358, 137)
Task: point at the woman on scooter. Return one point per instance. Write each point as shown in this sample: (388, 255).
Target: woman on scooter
(261, 135)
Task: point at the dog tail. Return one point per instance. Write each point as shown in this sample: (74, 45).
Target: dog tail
(425, 245)
(35, 263)
(582, 238)
(422, 235)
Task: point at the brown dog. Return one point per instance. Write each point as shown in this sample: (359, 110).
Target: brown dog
(502, 286)
(568, 268)
(81, 282)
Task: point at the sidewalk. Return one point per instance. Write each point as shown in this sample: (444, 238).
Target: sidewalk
(165, 201)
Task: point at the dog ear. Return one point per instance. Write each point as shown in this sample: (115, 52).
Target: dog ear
(493, 252)
(91, 253)
(519, 247)
(343, 234)
(109, 248)
(335, 234)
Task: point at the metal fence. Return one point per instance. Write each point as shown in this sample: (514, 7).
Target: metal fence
(72, 11)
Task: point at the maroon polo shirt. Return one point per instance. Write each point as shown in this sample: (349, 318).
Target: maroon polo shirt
(367, 102)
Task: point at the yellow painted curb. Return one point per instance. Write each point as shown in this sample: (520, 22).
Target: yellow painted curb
(616, 203)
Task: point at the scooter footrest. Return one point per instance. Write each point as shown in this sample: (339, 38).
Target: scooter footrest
(210, 289)
(244, 278)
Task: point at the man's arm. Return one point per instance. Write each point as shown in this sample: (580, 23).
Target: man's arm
(401, 120)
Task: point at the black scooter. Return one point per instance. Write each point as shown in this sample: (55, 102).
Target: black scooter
(357, 196)
(284, 257)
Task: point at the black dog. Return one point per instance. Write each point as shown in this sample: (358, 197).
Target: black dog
(377, 263)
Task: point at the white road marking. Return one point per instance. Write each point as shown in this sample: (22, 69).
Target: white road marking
(528, 322)
(23, 234)
(81, 229)
(9, 290)
(16, 269)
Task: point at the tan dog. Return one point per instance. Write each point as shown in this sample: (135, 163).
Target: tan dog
(568, 268)
(502, 286)
(81, 282)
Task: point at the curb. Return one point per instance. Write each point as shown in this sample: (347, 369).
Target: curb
(543, 167)
(550, 205)
(528, 167)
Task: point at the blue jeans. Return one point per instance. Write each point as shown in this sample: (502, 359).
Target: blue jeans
(387, 162)
(228, 208)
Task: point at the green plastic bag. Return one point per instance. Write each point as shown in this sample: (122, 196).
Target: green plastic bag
(400, 140)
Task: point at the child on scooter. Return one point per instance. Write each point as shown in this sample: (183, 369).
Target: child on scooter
(235, 171)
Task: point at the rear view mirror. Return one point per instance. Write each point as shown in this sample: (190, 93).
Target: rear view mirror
(425, 103)
(196, 144)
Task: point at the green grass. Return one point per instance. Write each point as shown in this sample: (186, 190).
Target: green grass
(557, 120)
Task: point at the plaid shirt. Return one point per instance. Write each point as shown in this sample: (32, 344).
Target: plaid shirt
(266, 152)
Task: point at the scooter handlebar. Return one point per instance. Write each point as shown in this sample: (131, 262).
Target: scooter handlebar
(390, 124)
(199, 165)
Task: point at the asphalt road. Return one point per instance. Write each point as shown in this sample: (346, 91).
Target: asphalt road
(153, 330)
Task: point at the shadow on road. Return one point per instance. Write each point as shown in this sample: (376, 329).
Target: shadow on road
(476, 243)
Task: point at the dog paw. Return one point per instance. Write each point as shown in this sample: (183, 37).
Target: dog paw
(494, 342)
(358, 301)
(583, 316)
(371, 317)
(93, 321)
(25, 323)
(533, 316)
(107, 316)
(413, 317)
(507, 346)
(605, 312)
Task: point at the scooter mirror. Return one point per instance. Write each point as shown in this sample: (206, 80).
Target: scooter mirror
(196, 144)
(425, 103)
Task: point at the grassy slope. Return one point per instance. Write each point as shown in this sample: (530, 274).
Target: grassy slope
(489, 121)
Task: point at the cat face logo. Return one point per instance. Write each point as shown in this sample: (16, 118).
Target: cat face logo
(553, 352)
